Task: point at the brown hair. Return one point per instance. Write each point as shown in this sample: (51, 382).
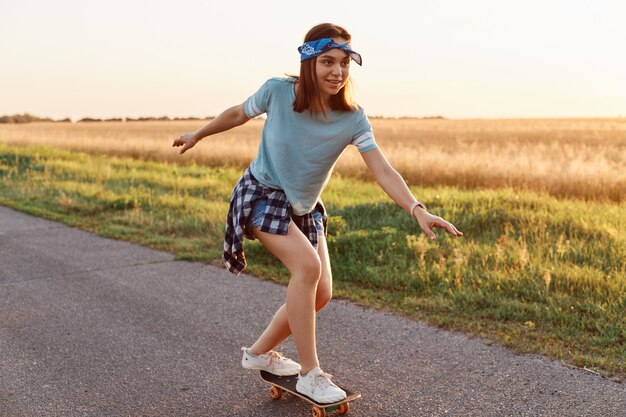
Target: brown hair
(307, 95)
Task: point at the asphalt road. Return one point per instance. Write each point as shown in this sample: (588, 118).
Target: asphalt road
(97, 327)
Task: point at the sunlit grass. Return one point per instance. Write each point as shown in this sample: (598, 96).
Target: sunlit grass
(533, 272)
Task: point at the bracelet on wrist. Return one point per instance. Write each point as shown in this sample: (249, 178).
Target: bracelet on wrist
(416, 204)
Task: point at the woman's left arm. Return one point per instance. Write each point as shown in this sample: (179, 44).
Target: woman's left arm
(393, 184)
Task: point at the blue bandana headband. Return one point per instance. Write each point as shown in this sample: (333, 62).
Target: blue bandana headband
(315, 48)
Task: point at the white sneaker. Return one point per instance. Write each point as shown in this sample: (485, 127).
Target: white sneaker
(272, 362)
(318, 386)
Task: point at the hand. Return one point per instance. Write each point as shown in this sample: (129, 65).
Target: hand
(187, 141)
(427, 221)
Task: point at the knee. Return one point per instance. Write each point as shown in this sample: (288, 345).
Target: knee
(309, 268)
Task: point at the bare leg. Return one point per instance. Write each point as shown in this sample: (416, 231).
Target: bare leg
(278, 330)
(304, 295)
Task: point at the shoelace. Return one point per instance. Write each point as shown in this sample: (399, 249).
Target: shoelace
(323, 380)
(275, 357)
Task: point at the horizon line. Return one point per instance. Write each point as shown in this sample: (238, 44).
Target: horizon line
(31, 118)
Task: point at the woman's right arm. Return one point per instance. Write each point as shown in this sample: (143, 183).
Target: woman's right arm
(233, 117)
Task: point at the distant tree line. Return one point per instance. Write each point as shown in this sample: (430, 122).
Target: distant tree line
(408, 117)
(29, 118)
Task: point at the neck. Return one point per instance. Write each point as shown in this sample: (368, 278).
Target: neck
(325, 107)
(325, 102)
(315, 107)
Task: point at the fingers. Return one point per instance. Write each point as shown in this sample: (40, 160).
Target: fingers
(431, 235)
(449, 227)
(181, 141)
(455, 231)
(427, 228)
(441, 224)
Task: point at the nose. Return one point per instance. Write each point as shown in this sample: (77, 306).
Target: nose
(337, 69)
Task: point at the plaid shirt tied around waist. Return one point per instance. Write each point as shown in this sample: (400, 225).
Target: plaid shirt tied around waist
(278, 215)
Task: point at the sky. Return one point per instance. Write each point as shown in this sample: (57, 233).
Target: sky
(452, 58)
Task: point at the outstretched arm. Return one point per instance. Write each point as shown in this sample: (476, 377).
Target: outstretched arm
(235, 116)
(393, 184)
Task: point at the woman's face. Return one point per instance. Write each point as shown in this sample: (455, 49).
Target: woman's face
(332, 69)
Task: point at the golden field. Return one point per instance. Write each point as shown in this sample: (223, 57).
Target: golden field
(579, 158)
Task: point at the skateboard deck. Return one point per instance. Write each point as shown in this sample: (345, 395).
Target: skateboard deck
(288, 383)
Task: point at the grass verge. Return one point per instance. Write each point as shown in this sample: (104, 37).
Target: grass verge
(532, 273)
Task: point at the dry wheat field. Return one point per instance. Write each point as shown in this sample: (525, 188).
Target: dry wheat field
(576, 158)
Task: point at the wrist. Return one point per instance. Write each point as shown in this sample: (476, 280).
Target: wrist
(417, 204)
(196, 136)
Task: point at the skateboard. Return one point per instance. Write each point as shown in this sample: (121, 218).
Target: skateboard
(288, 383)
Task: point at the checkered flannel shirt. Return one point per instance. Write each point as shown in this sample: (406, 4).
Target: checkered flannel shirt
(276, 221)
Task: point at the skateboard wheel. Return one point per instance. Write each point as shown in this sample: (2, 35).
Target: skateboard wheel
(276, 393)
(318, 412)
(343, 408)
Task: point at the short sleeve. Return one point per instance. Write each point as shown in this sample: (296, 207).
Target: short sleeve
(257, 103)
(363, 138)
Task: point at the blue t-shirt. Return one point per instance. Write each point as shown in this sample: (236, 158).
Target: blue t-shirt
(298, 151)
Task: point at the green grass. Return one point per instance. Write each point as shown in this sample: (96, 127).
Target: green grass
(533, 273)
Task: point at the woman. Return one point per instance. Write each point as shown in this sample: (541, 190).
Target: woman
(310, 120)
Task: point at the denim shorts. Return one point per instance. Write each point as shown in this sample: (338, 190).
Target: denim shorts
(258, 212)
